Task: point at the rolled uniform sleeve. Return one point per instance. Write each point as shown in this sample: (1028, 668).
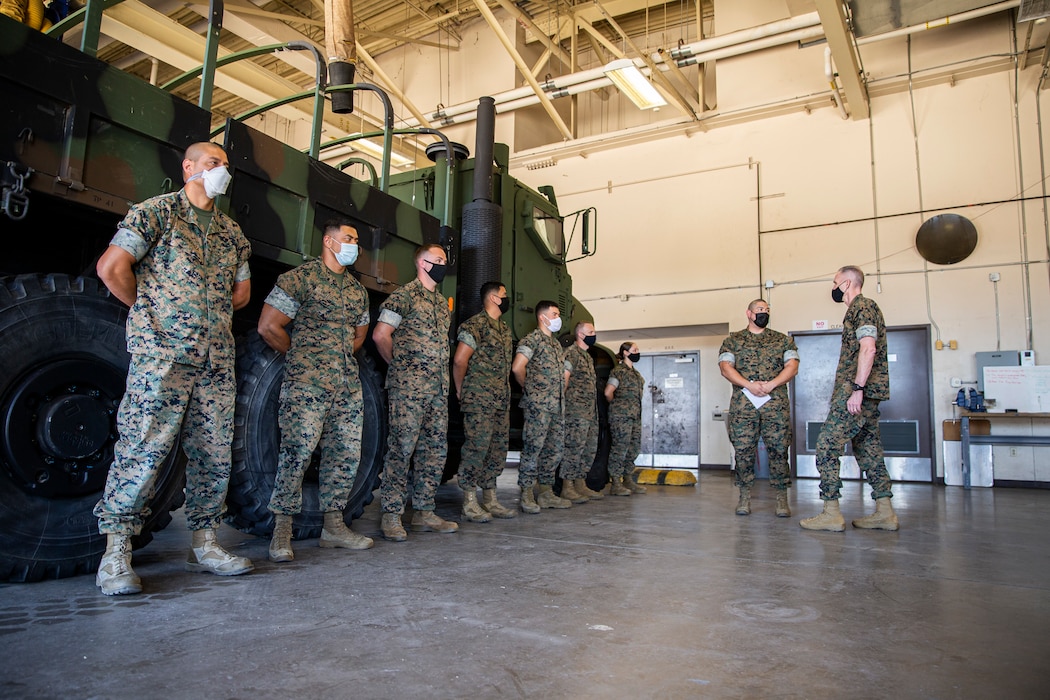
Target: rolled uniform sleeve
(613, 382)
(390, 317)
(867, 331)
(467, 338)
(133, 243)
(283, 302)
(731, 358)
(526, 351)
(790, 355)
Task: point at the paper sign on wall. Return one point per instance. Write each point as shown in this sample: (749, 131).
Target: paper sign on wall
(820, 325)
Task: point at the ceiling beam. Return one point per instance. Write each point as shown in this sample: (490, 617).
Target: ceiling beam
(844, 53)
(523, 68)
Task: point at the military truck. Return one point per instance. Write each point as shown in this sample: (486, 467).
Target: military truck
(80, 142)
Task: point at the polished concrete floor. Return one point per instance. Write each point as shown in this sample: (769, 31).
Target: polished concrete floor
(665, 595)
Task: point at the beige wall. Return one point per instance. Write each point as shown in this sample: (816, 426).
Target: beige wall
(775, 185)
(680, 221)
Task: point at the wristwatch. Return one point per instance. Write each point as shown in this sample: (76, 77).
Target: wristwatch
(857, 387)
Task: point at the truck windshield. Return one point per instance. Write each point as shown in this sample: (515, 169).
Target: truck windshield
(549, 229)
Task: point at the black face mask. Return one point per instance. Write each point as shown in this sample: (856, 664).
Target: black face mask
(589, 340)
(504, 305)
(762, 320)
(437, 272)
(634, 356)
(838, 295)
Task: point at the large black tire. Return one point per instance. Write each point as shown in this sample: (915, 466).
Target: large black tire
(256, 441)
(63, 366)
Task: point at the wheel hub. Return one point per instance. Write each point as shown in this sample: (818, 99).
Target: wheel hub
(59, 426)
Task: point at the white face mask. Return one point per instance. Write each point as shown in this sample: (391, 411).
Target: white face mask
(216, 180)
(554, 324)
(347, 254)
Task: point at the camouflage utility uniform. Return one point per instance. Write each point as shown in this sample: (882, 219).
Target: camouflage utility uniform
(625, 419)
(417, 390)
(486, 400)
(181, 377)
(760, 357)
(863, 319)
(543, 406)
(581, 414)
(321, 397)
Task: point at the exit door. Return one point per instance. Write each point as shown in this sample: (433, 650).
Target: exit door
(670, 410)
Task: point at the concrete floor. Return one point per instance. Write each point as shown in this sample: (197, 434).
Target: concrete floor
(666, 595)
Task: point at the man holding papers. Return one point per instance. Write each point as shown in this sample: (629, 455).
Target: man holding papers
(759, 362)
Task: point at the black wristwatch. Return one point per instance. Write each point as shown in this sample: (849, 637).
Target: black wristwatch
(857, 387)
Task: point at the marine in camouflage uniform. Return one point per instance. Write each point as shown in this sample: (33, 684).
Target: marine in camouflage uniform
(759, 362)
(481, 371)
(623, 391)
(581, 417)
(182, 265)
(862, 381)
(321, 397)
(539, 366)
(412, 335)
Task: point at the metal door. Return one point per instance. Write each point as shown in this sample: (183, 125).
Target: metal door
(670, 410)
(907, 417)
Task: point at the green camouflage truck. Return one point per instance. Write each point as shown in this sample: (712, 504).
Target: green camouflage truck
(81, 141)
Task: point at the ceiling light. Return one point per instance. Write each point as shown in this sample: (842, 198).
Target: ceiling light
(376, 151)
(630, 81)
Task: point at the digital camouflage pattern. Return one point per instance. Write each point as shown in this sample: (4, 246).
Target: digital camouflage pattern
(486, 400)
(760, 357)
(326, 307)
(321, 396)
(542, 403)
(486, 385)
(863, 319)
(581, 414)
(312, 416)
(417, 389)
(185, 279)
(164, 400)
(181, 374)
(484, 452)
(625, 419)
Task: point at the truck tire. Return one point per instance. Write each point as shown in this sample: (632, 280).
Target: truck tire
(63, 367)
(256, 442)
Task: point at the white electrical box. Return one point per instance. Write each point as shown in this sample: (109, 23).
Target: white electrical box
(1028, 358)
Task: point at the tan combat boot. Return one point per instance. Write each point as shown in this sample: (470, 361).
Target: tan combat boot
(783, 511)
(569, 492)
(472, 510)
(743, 506)
(629, 482)
(115, 576)
(617, 487)
(392, 528)
(429, 521)
(882, 519)
(528, 500)
(546, 498)
(281, 542)
(489, 503)
(208, 557)
(336, 534)
(830, 519)
(581, 488)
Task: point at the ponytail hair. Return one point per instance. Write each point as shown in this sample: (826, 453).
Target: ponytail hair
(624, 347)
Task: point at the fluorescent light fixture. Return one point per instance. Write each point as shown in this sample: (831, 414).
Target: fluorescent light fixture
(630, 81)
(376, 151)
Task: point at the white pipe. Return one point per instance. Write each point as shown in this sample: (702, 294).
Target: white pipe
(796, 29)
(829, 73)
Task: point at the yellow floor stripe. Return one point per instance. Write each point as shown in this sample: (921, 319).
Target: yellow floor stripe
(666, 477)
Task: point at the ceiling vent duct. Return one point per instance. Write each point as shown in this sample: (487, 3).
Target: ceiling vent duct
(1032, 10)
